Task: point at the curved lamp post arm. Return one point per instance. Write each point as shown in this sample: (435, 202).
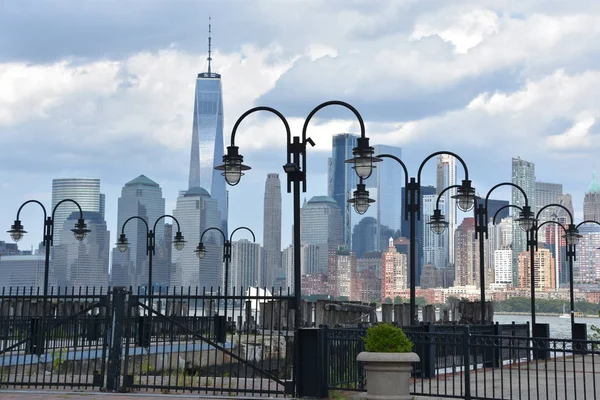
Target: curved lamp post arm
(134, 217)
(588, 221)
(213, 228)
(262, 108)
(166, 216)
(555, 205)
(506, 184)
(437, 201)
(503, 208)
(399, 161)
(32, 201)
(551, 222)
(437, 153)
(242, 227)
(362, 142)
(70, 201)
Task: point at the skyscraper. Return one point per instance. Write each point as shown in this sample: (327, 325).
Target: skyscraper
(365, 236)
(543, 270)
(523, 175)
(207, 138)
(272, 230)
(85, 191)
(139, 197)
(394, 272)
(419, 226)
(196, 212)
(342, 180)
(446, 176)
(245, 265)
(341, 275)
(82, 264)
(546, 193)
(586, 268)
(467, 254)
(321, 225)
(435, 246)
(591, 201)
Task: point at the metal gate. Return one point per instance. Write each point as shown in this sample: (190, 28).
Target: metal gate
(209, 343)
(57, 340)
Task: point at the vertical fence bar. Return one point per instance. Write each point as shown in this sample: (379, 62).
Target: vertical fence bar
(467, 361)
(116, 338)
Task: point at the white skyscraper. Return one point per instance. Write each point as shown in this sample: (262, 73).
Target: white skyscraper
(196, 212)
(434, 245)
(139, 197)
(85, 191)
(446, 176)
(245, 265)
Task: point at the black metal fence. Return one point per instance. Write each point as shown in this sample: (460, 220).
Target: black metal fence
(503, 363)
(186, 340)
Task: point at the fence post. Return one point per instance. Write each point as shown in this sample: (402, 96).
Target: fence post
(115, 332)
(467, 361)
(312, 364)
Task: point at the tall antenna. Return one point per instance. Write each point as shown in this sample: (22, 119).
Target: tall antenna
(209, 57)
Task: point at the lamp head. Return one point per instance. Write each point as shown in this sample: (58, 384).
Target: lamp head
(437, 222)
(361, 199)
(526, 219)
(16, 231)
(178, 241)
(465, 196)
(122, 243)
(200, 250)
(80, 230)
(572, 236)
(232, 166)
(363, 159)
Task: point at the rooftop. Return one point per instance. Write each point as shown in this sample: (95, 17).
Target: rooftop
(142, 180)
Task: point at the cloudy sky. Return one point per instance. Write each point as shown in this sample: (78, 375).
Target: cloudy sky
(104, 89)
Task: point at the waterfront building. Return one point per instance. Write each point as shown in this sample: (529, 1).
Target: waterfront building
(523, 175)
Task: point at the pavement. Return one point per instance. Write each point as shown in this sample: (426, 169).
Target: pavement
(58, 395)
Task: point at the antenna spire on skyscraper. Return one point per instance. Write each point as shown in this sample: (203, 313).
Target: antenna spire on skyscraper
(209, 57)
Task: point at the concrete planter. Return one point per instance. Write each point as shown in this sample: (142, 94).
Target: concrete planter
(388, 374)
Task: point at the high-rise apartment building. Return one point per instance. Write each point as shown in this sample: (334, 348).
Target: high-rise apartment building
(435, 246)
(499, 238)
(140, 197)
(467, 254)
(394, 273)
(207, 138)
(196, 211)
(85, 191)
(272, 229)
(586, 268)
(245, 266)
(342, 181)
(321, 225)
(341, 275)
(543, 269)
(547, 193)
(503, 266)
(523, 175)
(83, 264)
(446, 176)
(419, 227)
(591, 201)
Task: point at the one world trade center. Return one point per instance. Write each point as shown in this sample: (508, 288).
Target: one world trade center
(207, 137)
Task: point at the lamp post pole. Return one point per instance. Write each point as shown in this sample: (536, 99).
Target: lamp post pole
(178, 241)
(80, 231)
(571, 238)
(412, 208)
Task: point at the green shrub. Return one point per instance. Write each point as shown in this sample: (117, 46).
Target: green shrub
(386, 338)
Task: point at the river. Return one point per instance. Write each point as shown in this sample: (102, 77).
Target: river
(560, 328)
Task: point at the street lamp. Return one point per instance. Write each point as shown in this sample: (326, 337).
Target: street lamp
(295, 168)
(525, 221)
(80, 231)
(412, 205)
(123, 244)
(201, 250)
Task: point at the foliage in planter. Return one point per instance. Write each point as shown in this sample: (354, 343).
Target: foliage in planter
(387, 338)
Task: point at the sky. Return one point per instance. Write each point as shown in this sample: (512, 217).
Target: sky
(105, 89)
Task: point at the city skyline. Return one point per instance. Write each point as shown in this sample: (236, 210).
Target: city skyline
(70, 127)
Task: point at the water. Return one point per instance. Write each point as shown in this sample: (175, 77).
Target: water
(560, 328)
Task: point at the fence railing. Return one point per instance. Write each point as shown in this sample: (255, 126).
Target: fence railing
(456, 363)
(195, 340)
